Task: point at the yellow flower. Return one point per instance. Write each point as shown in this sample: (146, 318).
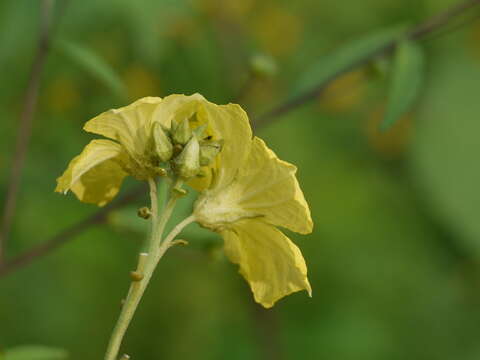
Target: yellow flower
(251, 193)
(246, 192)
(95, 176)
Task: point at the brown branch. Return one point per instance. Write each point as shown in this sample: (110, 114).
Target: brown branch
(62, 237)
(435, 23)
(419, 32)
(26, 119)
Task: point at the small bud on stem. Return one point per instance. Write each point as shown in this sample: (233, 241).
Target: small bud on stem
(136, 276)
(187, 164)
(182, 132)
(163, 146)
(144, 212)
(208, 151)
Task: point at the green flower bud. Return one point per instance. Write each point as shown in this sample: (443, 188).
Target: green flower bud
(187, 164)
(163, 146)
(178, 191)
(209, 151)
(263, 65)
(181, 133)
(177, 149)
(198, 132)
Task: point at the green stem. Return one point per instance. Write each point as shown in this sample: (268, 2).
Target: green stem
(147, 264)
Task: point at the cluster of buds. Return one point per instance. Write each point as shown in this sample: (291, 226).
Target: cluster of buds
(185, 149)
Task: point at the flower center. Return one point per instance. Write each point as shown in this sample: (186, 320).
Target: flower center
(219, 208)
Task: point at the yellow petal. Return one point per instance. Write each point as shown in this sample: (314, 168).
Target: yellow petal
(267, 186)
(177, 107)
(270, 262)
(230, 124)
(95, 176)
(129, 125)
(264, 186)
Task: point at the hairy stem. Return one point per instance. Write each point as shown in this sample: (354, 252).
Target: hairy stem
(146, 265)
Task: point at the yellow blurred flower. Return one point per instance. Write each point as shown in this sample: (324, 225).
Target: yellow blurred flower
(251, 193)
(278, 30)
(62, 94)
(345, 92)
(225, 9)
(392, 143)
(140, 81)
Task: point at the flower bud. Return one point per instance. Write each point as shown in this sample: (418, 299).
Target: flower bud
(136, 276)
(262, 65)
(179, 191)
(187, 164)
(160, 171)
(209, 151)
(199, 130)
(144, 212)
(181, 133)
(163, 146)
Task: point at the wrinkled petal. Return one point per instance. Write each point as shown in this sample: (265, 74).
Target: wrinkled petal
(270, 262)
(225, 122)
(129, 125)
(264, 186)
(177, 107)
(95, 176)
(268, 186)
(230, 123)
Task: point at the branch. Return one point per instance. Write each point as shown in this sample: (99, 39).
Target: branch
(70, 232)
(419, 32)
(26, 119)
(435, 23)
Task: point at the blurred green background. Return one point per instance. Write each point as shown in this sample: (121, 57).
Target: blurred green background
(394, 258)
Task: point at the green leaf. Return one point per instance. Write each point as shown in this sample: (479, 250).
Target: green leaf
(35, 352)
(345, 57)
(405, 82)
(94, 65)
(445, 148)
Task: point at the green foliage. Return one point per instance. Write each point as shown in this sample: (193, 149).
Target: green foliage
(330, 64)
(35, 352)
(93, 65)
(445, 155)
(405, 82)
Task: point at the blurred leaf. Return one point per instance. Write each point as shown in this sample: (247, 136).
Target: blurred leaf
(406, 79)
(12, 14)
(351, 53)
(446, 147)
(35, 352)
(94, 65)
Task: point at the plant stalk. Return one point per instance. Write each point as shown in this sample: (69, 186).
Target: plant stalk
(146, 266)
